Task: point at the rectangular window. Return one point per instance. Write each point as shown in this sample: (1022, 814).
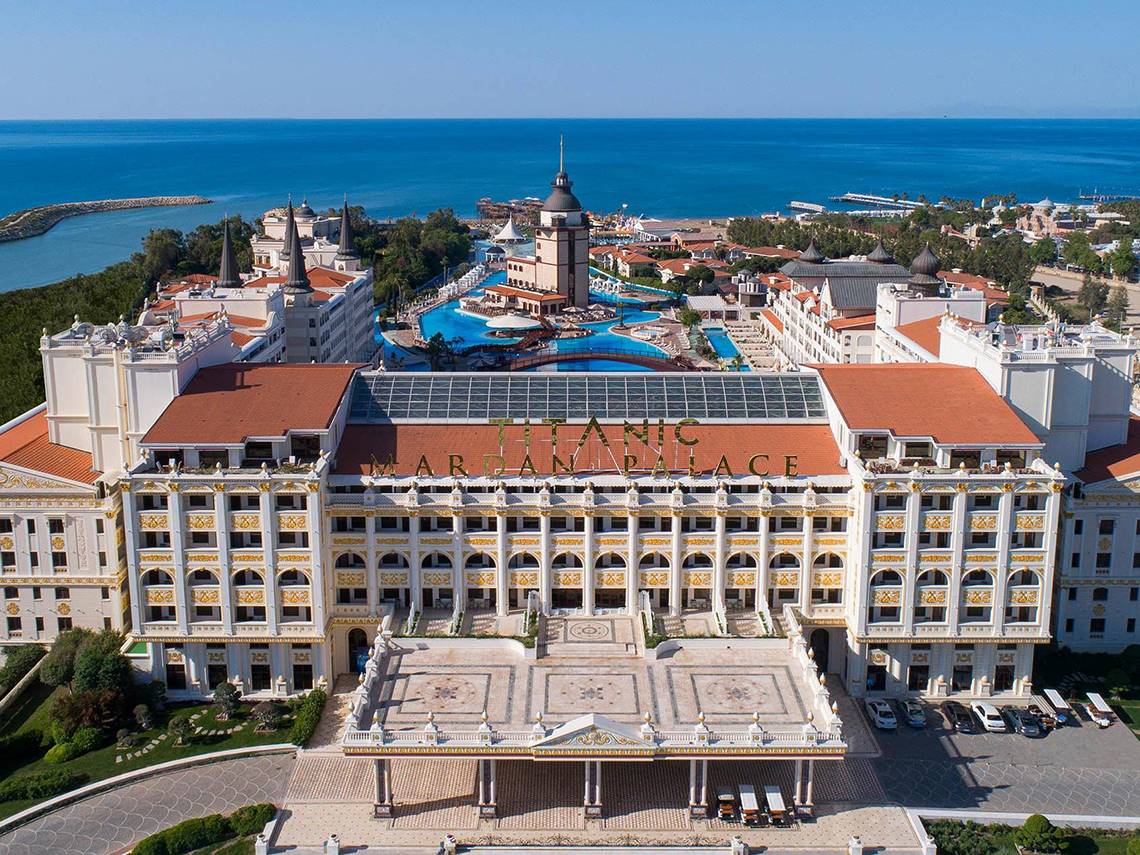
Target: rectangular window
(1076, 561)
(1107, 526)
(1103, 560)
(302, 677)
(175, 676)
(1078, 526)
(1133, 594)
(14, 625)
(55, 526)
(1096, 625)
(1072, 594)
(215, 676)
(62, 594)
(63, 624)
(1068, 624)
(259, 678)
(39, 626)
(1130, 625)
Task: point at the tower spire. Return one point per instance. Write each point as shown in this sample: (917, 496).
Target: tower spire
(561, 154)
(298, 280)
(347, 249)
(290, 231)
(228, 270)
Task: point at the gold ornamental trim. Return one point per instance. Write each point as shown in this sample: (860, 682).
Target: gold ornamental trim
(350, 580)
(205, 596)
(741, 578)
(292, 522)
(524, 579)
(481, 579)
(611, 579)
(437, 580)
(654, 579)
(567, 578)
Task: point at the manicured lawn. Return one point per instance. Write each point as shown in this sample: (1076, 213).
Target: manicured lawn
(1129, 712)
(999, 840)
(102, 763)
(30, 712)
(241, 846)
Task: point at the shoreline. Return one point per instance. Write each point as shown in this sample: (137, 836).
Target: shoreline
(33, 222)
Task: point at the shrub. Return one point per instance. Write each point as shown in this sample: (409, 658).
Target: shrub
(124, 738)
(307, 717)
(61, 753)
(18, 749)
(99, 709)
(100, 667)
(179, 728)
(1134, 845)
(143, 717)
(17, 664)
(40, 785)
(251, 818)
(226, 698)
(265, 713)
(1040, 835)
(963, 838)
(87, 739)
(187, 836)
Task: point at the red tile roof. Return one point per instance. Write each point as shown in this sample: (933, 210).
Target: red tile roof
(26, 445)
(858, 322)
(319, 277)
(949, 403)
(1116, 461)
(226, 404)
(771, 318)
(812, 445)
(924, 333)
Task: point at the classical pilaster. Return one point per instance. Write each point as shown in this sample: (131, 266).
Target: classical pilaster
(588, 574)
(1005, 529)
(319, 579)
(675, 567)
(222, 530)
(719, 558)
(545, 588)
(138, 604)
(269, 550)
(501, 564)
(958, 532)
(177, 551)
(632, 565)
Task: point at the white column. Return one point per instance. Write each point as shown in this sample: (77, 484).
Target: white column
(458, 584)
(692, 782)
(269, 550)
(675, 569)
(586, 800)
(138, 604)
(545, 592)
(598, 783)
(588, 580)
(807, 565)
(765, 557)
(799, 780)
(810, 780)
(320, 580)
(958, 533)
(501, 564)
(632, 569)
(718, 563)
(1005, 529)
(225, 571)
(492, 787)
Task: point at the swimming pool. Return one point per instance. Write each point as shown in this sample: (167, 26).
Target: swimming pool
(720, 342)
(590, 365)
(470, 329)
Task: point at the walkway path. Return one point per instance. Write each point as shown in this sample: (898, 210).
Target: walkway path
(110, 821)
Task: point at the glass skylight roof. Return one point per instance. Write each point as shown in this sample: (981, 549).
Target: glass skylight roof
(476, 397)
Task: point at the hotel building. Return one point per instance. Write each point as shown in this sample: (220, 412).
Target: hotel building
(901, 517)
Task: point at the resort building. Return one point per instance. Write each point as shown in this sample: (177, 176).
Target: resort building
(561, 262)
(306, 313)
(319, 235)
(911, 545)
(826, 310)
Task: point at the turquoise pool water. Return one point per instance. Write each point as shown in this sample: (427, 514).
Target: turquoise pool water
(447, 319)
(720, 342)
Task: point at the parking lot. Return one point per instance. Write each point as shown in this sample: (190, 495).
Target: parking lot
(1074, 769)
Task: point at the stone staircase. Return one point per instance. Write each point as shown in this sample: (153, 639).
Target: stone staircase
(744, 625)
(608, 637)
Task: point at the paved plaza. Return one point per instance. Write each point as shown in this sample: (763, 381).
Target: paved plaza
(457, 685)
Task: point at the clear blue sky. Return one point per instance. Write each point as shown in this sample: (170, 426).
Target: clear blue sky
(433, 58)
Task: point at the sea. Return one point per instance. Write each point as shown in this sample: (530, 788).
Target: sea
(657, 168)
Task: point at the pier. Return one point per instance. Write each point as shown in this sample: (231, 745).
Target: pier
(32, 222)
(878, 201)
(810, 207)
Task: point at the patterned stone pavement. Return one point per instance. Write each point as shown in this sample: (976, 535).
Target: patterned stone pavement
(111, 821)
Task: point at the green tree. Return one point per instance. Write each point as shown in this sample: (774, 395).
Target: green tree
(163, 251)
(701, 273)
(439, 349)
(1079, 252)
(689, 317)
(1117, 307)
(1043, 251)
(59, 664)
(1123, 259)
(1092, 295)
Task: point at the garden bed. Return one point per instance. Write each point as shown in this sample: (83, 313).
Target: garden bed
(149, 747)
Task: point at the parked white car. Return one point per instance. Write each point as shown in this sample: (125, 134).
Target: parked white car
(881, 714)
(989, 716)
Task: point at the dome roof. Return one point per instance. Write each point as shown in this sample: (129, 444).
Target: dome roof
(561, 200)
(812, 255)
(513, 322)
(926, 263)
(879, 254)
(305, 210)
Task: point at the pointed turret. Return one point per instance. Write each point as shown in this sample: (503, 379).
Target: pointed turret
(923, 270)
(811, 255)
(347, 249)
(879, 254)
(298, 279)
(290, 232)
(228, 271)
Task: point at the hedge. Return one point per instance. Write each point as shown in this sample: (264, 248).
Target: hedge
(206, 831)
(18, 749)
(40, 785)
(307, 716)
(251, 818)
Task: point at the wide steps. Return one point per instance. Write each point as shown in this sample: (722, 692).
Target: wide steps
(582, 650)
